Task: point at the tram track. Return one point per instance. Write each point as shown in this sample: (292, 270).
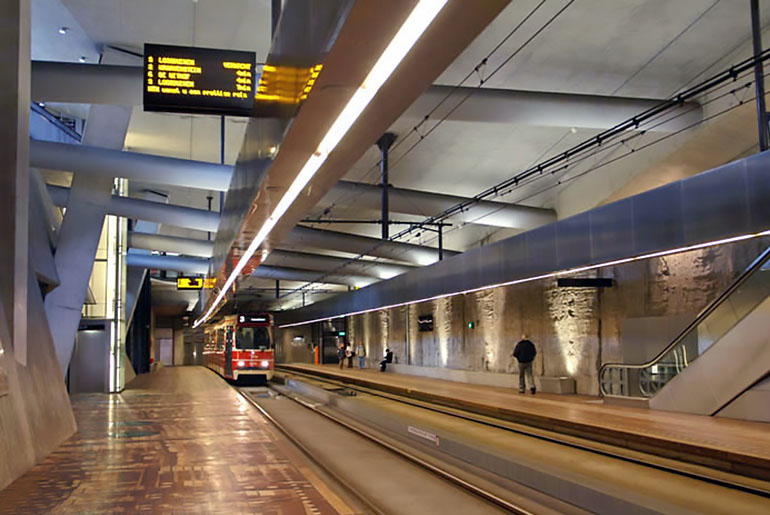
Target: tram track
(691, 471)
(393, 447)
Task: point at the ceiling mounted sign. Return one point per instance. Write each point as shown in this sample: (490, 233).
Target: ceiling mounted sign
(189, 283)
(198, 80)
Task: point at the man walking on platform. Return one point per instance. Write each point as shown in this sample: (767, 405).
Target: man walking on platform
(525, 353)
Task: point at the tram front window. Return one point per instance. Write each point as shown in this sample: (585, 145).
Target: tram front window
(256, 338)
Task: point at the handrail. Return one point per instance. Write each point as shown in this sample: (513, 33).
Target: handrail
(753, 267)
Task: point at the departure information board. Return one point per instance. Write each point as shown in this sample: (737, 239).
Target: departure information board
(198, 80)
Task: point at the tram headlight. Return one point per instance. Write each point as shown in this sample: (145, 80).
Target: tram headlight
(241, 364)
(265, 363)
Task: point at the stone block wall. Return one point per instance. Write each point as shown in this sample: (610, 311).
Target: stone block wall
(575, 329)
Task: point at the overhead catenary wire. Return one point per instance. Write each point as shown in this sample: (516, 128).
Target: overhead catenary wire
(634, 123)
(455, 88)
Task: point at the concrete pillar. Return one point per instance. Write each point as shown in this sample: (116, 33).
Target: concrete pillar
(90, 196)
(14, 163)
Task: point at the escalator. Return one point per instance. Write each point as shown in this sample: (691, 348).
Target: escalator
(715, 362)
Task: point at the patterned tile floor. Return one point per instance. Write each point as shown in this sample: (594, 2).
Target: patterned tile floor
(177, 441)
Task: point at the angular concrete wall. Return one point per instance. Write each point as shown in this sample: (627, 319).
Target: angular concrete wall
(35, 415)
(575, 329)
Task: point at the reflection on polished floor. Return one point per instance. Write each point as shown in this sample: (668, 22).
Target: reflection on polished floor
(737, 446)
(178, 440)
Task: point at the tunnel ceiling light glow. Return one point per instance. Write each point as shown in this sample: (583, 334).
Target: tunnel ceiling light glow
(418, 21)
(543, 276)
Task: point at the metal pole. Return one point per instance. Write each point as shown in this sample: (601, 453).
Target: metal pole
(209, 198)
(440, 242)
(759, 79)
(384, 143)
(277, 288)
(275, 15)
(221, 156)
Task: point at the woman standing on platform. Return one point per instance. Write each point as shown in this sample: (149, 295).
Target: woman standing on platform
(361, 353)
(341, 355)
(349, 354)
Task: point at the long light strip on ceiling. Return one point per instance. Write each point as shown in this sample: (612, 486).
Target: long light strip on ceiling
(543, 276)
(419, 19)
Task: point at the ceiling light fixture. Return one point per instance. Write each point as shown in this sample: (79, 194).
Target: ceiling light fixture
(560, 273)
(82, 59)
(419, 19)
(63, 30)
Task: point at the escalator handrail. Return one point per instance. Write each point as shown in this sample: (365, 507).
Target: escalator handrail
(753, 267)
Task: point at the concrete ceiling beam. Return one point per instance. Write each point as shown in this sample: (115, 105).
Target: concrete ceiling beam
(310, 276)
(543, 108)
(177, 216)
(163, 243)
(323, 263)
(422, 203)
(130, 165)
(86, 83)
(121, 85)
(354, 244)
(185, 265)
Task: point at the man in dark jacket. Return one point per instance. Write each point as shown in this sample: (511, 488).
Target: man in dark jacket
(525, 353)
(387, 359)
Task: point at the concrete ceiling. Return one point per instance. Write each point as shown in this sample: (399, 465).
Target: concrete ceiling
(636, 48)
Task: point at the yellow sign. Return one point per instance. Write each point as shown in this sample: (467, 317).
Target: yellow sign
(209, 282)
(286, 84)
(189, 283)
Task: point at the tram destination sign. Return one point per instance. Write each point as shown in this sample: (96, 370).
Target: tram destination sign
(198, 80)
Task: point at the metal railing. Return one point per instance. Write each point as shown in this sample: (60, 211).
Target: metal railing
(644, 380)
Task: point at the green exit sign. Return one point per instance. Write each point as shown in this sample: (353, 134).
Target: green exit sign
(471, 325)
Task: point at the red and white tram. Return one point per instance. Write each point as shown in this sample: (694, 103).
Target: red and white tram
(241, 346)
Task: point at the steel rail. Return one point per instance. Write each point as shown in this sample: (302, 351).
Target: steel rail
(327, 470)
(472, 417)
(452, 478)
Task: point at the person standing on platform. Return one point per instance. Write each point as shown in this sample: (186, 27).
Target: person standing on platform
(349, 355)
(525, 353)
(361, 353)
(341, 355)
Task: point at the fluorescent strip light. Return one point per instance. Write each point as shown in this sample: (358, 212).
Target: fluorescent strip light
(543, 276)
(419, 19)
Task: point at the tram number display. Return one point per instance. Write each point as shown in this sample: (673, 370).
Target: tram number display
(198, 80)
(253, 319)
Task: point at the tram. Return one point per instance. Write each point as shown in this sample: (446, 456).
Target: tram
(241, 346)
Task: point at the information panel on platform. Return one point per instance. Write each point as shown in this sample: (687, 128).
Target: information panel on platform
(198, 80)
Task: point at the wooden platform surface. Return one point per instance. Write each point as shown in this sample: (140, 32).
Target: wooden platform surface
(732, 445)
(179, 440)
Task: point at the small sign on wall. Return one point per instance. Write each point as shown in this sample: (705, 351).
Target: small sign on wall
(425, 323)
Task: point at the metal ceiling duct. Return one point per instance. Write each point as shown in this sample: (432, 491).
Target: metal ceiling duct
(162, 243)
(354, 244)
(130, 165)
(185, 265)
(414, 202)
(177, 216)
